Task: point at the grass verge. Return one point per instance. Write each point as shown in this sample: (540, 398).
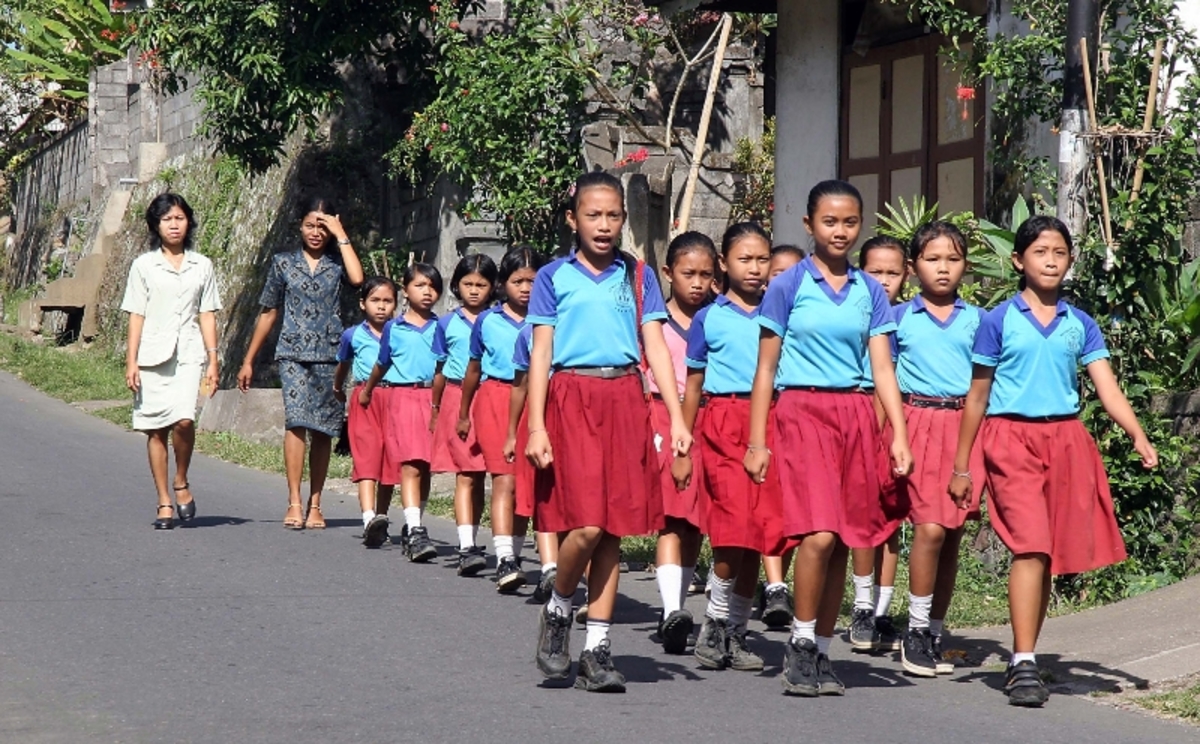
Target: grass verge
(68, 373)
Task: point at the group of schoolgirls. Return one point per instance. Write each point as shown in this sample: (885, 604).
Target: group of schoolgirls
(797, 393)
(434, 395)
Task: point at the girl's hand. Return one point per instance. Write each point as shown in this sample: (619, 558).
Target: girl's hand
(212, 378)
(332, 225)
(960, 490)
(364, 396)
(340, 394)
(902, 459)
(681, 471)
(133, 377)
(538, 450)
(755, 462)
(245, 376)
(681, 439)
(433, 417)
(510, 449)
(1146, 450)
(463, 428)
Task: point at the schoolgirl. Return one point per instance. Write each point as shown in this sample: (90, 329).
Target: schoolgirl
(934, 334)
(589, 426)
(484, 408)
(871, 627)
(1049, 498)
(472, 284)
(818, 320)
(688, 271)
(406, 348)
(375, 474)
(740, 517)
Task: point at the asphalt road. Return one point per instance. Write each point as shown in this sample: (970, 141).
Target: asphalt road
(235, 630)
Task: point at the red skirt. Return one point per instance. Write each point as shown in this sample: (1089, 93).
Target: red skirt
(366, 427)
(923, 497)
(1049, 493)
(450, 453)
(605, 469)
(827, 460)
(489, 421)
(678, 504)
(526, 472)
(407, 437)
(737, 512)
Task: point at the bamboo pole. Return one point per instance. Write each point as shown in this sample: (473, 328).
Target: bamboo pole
(1094, 126)
(1147, 123)
(714, 78)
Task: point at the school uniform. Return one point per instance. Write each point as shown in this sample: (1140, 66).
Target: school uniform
(736, 512)
(451, 346)
(605, 469)
(407, 351)
(366, 426)
(933, 369)
(678, 504)
(1049, 491)
(525, 471)
(493, 341)
(827, 437)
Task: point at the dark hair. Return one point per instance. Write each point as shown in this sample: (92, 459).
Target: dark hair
(476, 263)
(831, 187)
(930, 232)
(1031, 228)
(876, 243)
(794, 250)
(600, 179)
(690, 242)
(158, 209)
(429, 271)
(315, 203)
(373, 283)
(518, 257)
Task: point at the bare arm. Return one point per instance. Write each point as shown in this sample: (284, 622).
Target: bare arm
(538, 451)
(339, 380)
(691, 398)
(1117, 406)
(350, 263)
(516, 406)
(658, 356)
(887, 392)
(972, 419)
(364, 393)
(133, 378)
(758, 457)
(208, 331)
(439, 388)
(262, 329)
(470, 384)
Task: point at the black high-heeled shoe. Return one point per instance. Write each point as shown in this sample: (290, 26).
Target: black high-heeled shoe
(186, 511)
(167, 522)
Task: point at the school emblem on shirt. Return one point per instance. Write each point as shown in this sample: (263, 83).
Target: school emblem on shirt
(1073, 338)
(622, 296)
(863, 303)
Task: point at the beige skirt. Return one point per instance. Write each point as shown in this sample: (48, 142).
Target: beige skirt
(168, 394)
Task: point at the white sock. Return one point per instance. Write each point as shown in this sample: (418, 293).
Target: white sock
(503, 545)
(597, 633)
(1017, 658)
(466, 536)
(823, 644)
(412, 517)
(804, 630)
(883, 601)
(517, 545)
(862, 592)
(718, 603)
(548, 567)
(669, 576)
(776, 585)
(739, 611)
(935, 627)
(474, 534)
(918, 611)
(685, 582)
(559, 603)
(368, 515)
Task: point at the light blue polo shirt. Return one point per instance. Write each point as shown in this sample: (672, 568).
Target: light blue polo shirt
(592, 315)
(934, 358)
(723, 342)
(360, 346)
(408, 349)
(1037, 368)
(492, 341)
(522, 348)
(824, 333)
(452, 344)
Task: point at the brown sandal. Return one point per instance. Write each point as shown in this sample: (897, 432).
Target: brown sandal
(294, 523)
(314, 524)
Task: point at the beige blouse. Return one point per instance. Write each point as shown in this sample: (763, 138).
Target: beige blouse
(171, 301)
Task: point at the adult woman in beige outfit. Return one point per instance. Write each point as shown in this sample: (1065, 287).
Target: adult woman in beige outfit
(172, 299)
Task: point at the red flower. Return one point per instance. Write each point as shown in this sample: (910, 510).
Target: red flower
(109, 34)
(966, 93)
(638, 156)
(445, 127)
(453, 25)
(433, 9)
(118, 5)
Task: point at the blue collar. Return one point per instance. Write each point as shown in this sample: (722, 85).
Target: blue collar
(403, 323)
(724, 301)
(919, 306)
(1060, 312)
(618, 264)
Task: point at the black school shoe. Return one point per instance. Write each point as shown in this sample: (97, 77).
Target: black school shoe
(554, 644)
(800, 668)
(827, 681)
(885, 632)
(777, 608)
(376, 532)
(935, 650)
(472, 561)
(915, 653)
(1024, 687)
(509, 576)
(712, 645)
(419, 547)
(673, 631)
(545, 586)
(863, 635)
(596, 671)
(740, 656)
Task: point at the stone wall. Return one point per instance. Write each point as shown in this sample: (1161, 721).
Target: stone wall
(1191, 231)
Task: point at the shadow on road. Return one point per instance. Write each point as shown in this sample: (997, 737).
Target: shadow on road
(1062, 676)
(205, 520)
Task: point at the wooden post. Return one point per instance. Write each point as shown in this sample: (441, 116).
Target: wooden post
(1094, 126)
(689, 192)
(1147, 123)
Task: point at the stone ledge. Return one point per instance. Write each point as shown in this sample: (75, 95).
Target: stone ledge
(256, 414)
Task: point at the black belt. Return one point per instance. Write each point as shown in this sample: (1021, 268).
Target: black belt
(1036, 419)
(603, 373)
(416, 385)
(815, 389)
(930, 401)
(454, 382)
(500, 380)
(658, 396)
